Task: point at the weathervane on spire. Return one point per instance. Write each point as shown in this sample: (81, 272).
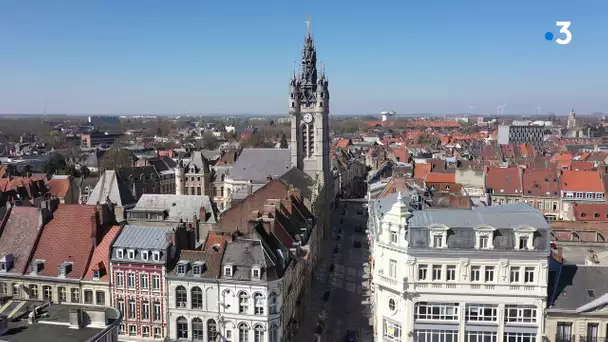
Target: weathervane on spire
(308, 25)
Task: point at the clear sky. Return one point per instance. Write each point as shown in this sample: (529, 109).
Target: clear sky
(226, 56)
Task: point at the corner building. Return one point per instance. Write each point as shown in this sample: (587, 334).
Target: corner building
(450, 275)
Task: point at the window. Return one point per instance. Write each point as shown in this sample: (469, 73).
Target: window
(480, 336)
(120, 279)
(197, 298)
(75, 295)
(156, 313)
(564, 332)
(272, 303)
(47, 292)
(428, 335)
(258, 303)
(88, 296)
(243, 302)
(121, 329)
(121, 306)
(258, 332)
(514, 274)
(437, 241)
(145, 331)
(522, 242)
(436, 311)
(393, 237)
(450, 273)
(96, 274)
(132, 330)
(436, 272)
(63, 294)
(145, 310)
(182, 328)
(182, 268)
(392, 330)
(228, 271)
(481, 313)
(484, 242)
(391, 304)
(33, 291)
(157, 332)
(489, 273)
(255, 273)
(422, 272)
(211, 331)
(132, 309)
(131, 254)
(120, 253)
(145, 255)
(156, 282)
(131, 280)
(392, 268)
(520, 314)
(274, 334)
(529, 275)
(197, 329)
(196, 269)
(144, 281)
(519, 337)
(181, 297)
(243, 332)
(475, 273)
(156, 256)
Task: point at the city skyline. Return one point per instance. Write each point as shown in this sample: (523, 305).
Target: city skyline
(116, 58)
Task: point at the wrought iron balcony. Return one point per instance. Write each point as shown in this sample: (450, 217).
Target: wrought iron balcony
(588, 339)
(565, 338)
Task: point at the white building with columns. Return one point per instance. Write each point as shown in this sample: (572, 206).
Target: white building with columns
(454, 275)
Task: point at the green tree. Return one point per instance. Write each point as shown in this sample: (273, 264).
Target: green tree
(55, 164)
(116, 157)
(284, 141)
(210, 141)
(256, 140)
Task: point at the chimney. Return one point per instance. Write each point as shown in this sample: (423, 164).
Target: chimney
(203, 214)
(171, 237)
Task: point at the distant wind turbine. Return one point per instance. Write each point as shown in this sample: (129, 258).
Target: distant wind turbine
(471, 109)
(500, 109)
(538, 110)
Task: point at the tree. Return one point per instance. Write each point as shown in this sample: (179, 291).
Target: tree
(256, 140)
(284, 141)
(210, 141)
(54, 164)
(84, 171)
(27, 171)
(116, 157)
(271, 123)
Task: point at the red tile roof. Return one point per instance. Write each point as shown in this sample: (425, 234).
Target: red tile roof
(421, 170)
(101, 254)
(591, 211)
(505, 181)
(59, 187)
(343, 143)
(579, 165)
(582, 181)
(216, 239)
(436, 177)
(540, 182)
(67, 237)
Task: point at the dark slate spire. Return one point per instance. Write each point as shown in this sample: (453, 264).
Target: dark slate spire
(308, 74)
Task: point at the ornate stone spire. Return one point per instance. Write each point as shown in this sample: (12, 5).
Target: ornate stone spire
(308, 74)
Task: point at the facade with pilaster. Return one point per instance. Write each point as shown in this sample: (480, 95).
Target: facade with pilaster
(458, 275)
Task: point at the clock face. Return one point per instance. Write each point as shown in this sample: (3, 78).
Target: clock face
(307, 118)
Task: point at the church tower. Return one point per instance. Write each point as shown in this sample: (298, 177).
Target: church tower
(309, 112)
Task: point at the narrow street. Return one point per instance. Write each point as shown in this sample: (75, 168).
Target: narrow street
(340, 297)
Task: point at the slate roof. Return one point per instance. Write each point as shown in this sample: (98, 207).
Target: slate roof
(150, 238)
(19, 235)
(578, 288)
(198, 163)
(212, 260)
(109, 185)
(242, 255)
(67, 237)
(299, 180)
(101, 254)
(256, 164)
(177, 206)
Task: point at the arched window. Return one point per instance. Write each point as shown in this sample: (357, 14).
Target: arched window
(272, 303)
(243, 302)
(258, 303)
(273, 333)
(197, 329)
(197, 298)
(182, 328)
(211, 331)
(181, 296)
(243, 333)
(258, 333)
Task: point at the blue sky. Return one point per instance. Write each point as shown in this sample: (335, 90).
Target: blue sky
(223, 57)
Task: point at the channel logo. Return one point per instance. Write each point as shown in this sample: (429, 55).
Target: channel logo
(564, 37)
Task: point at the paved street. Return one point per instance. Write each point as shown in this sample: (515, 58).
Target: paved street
(347, 306)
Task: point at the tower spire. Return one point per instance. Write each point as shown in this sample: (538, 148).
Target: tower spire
(308, 27)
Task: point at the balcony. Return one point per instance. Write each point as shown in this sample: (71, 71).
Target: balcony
(389, 282)
(488, 287)
(584, 339)
(564, 338)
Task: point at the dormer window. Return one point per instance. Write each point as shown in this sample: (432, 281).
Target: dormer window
(131, 254)
(36, 266)
(156, 255)
(65, 268)
(96, 274)
(182, 267)
(145, 255)
(524, 238)
(256, 272)
(228, 271)
(484, 237)
(6, 263)
(438, 236)
(120, 253)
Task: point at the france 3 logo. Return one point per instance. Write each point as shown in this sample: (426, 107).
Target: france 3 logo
(564, 37)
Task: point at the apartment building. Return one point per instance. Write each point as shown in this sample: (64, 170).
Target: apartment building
(458, 275)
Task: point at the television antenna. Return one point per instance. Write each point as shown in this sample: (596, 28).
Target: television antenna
(538, 110)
